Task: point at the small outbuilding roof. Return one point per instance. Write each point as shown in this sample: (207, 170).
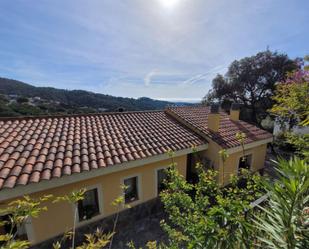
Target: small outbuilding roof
(197, 117)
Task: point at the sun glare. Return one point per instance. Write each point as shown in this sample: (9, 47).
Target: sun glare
(169, 4)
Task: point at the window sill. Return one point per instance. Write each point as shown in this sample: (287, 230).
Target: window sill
(133, 203)
(92, 219)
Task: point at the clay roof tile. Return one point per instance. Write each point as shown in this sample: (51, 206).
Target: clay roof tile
(35, 176)
(56, 172)
(23, 179)
(10, 182)
(4, 173)
(34, 149)
(9, 164)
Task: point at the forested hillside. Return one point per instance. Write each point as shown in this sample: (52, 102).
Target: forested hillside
(19, 98)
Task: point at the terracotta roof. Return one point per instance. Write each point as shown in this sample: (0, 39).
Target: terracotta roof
(36, 149)
(197, 117)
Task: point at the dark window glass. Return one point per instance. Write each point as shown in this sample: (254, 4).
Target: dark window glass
(245, 162)
(131, 193)
(6, 227)
(161, 174)
(89, 206)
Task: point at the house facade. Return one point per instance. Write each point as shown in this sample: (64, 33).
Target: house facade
(57, 155)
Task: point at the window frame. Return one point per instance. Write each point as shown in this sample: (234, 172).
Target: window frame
(249, 153)
(138, 189)
(98, 187)
(156, 178)
(25, 229)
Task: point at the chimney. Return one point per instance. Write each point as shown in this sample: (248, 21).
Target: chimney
(214, 118)
(234, 112)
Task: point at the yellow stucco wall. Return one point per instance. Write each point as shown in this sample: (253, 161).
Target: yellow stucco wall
(231, 164)
(59, 216)
(212, 153)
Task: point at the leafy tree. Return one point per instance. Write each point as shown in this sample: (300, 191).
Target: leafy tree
(241, 137)
(223, 156)
(205, 215)
(283, 223)
(292, 107)
(98, 239)
(22, 100)
(292, 98)
(19, 211)
(3, 99)
(118, 203)
(73, 198)
(5, 110)
(251, 82)
(300, 143)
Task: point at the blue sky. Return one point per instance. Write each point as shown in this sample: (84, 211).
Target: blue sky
(163, 49)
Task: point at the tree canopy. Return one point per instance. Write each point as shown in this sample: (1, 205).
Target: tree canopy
(292, 97)
(292, 107)
(205, 215)
(251, 82)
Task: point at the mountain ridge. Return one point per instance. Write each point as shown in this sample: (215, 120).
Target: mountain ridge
(20, 98)
(11, 86)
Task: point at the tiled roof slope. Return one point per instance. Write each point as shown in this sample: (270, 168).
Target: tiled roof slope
(36, 149)
(197, 117)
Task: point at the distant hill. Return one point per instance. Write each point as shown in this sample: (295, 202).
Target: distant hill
(79, 98)
(56, 101)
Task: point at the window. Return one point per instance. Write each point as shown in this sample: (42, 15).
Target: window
(245, 162)
(161, 176)
(6, 227)
(131, 191)
(89, 206)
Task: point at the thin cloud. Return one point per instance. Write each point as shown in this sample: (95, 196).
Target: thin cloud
(195, 79)
(208, 75)
(148, 77)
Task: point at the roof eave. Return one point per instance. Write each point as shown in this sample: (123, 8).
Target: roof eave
(249, 145)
